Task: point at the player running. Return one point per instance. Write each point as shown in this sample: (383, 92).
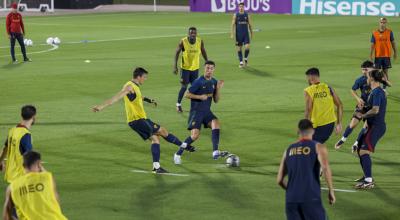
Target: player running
(203, 91)
(382, 41)
(321, 100)
(191, 48)
(33, 195)
(137, 118)
(19, 142)
(241, 26)
(362, 85)
(376, 127)
(16, 31)
(301, 162)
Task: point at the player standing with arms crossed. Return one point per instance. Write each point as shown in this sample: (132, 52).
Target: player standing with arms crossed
(16, 31)
(191, 48)
(241, 26)
(382, 41)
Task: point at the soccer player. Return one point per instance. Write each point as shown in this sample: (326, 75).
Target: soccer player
(191, 48)
(203, 91)
(137, 118)
(382, 41)
(362, 85)
(19, 142)
(301, 162)
(376, 127)
(16, 31)
(321, 100)
(33, 195)
(241, 26)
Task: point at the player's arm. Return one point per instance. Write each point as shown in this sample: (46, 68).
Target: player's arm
(250, 27)
(125, 91)
(326, 171)
(3, 154)
(151, 101)
(233, 26)
(217, 94)
(203, 51)
(280, 178)
(309, 106)
(22, 25)
(8, 206)
(339, 110)
(8, 26)
(359, 100)
(372, 50)
(393, 45)
(375, 107)
(177, 52)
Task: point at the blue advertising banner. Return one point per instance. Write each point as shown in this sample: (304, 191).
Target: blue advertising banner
(347, 7)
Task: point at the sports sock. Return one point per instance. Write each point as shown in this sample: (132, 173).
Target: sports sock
(246, 53)
(181, 94)
(215, 138)
(366, 165)
(240, 55)
(188, 142)
(155, 151)
(347, 132)
(173, 139)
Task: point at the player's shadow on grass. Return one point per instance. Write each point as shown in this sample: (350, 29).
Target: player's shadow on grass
(10, 66)
(257, 72)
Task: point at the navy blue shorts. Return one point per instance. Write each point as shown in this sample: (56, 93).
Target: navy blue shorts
(322, 133)
(198, 118)
(242, 39)
(371, 138)
(382, 63)
(188, 76)
(144, 127)
(305, 211)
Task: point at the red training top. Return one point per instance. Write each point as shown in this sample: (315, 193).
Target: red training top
(14, 23)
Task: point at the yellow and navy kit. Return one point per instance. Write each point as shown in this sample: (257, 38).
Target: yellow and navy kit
(323, 111)
(191, 54)
(134, 103)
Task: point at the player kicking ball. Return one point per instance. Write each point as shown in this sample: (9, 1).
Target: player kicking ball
(137, 118)
(202, 92)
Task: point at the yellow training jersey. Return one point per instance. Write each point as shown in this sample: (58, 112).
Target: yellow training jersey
(191, 54)
(323, 110)
(34, 198)
(134, 103)
(14, 164)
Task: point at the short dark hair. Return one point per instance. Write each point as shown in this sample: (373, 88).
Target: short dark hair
(138, 72)
(209, 62)
(30, 158)
(305, 124)
(312, 72)
(367, 64)
(241, 3)
(28, 111)
(192, 29)
(378, 76)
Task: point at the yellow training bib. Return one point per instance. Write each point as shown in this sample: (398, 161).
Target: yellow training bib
(134, 103)
(191, 54)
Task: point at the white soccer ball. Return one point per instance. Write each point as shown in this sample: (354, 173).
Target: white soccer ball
(232, 160)
(56, 41)
(29, 43)
(50, 41)
(26, 42)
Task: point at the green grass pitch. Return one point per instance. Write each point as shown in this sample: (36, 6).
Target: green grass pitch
(92, 155)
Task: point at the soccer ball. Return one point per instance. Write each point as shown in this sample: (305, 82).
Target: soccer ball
(26, 42)
(56, 41)
(50, 41)
(232, 160)
(29, 43)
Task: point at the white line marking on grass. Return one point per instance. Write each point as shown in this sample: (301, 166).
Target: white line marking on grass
(166, 174)
(54, 47)
(340, 190)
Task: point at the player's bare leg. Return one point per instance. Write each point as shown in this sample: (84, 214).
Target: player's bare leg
(353, 123)
(246, 54)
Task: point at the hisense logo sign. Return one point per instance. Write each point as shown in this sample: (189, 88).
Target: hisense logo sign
(347, 7)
